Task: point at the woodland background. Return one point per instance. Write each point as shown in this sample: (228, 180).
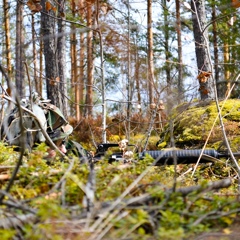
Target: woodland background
(120, 59)
(123, 69)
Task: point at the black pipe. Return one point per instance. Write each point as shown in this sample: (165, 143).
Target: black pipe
(184, 156)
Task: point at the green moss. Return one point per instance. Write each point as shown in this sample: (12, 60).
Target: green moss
(193, 123)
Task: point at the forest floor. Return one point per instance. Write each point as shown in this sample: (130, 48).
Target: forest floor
(230, 233)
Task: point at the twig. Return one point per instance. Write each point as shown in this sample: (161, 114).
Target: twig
(22, 142)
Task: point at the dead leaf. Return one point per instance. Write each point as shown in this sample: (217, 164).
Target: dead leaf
(8, 90)
(235, 3)
(54, 9)
(53, 82)
(48, 6)
(204, 76)
(34, 6)
(203, 90)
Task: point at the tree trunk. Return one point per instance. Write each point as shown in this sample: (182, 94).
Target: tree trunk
(61, 42)
(179, 41)
(50, 53)
(137, 79)
(35, 77)
(41, 67)
(81, 82)
(226, 57)
(150, 52)
(19, 50)
(166, 46)
(215, 50)
(198, 19)
(7, 36)
(74, 66)
(90, 68)
(81, 72)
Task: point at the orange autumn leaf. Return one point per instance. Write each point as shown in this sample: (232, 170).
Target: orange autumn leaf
(31, 5)
(34, 6)
(52, 82)
(203, 90)
(48, 6)
(8, 90)
(54, 9)
(203, 76)
(235, 3)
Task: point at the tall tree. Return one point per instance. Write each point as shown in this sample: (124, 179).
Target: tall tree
(179, 43)
(19, 76)
(150, 52)
(167, 53)
(50, 51)
(215, 50)
(74, 65)
(35, 75)
(90, 59)
(61, 42)
(200, 37)
(6, 7)
(80, 84)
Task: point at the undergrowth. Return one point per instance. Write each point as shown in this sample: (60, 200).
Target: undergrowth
(151, 209)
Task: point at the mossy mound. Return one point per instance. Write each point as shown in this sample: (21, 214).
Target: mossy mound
(198, 122)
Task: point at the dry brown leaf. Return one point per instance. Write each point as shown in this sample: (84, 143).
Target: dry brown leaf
(204, 76)
(34, 6)
(8, 90)
(203, 90)
(53, 82)
(48, 6)
(235, 3)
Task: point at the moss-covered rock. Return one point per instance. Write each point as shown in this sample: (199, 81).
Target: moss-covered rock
(198, 122)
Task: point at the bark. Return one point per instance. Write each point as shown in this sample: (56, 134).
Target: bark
(61, 42)
(35, 76)
(215, 44)
(90, 68)
(6, 7)
(81, 81)
(199, 19)
(50, 54)
(137, 78)
(20, 50)
(81, 72)
(179, 41)
(41, 66)
(226, 57)
(74, 65)
(166, 46)
(150, 52)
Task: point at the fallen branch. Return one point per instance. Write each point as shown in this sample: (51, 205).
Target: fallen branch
(17, 220)
(225, 183)
(145, 199)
